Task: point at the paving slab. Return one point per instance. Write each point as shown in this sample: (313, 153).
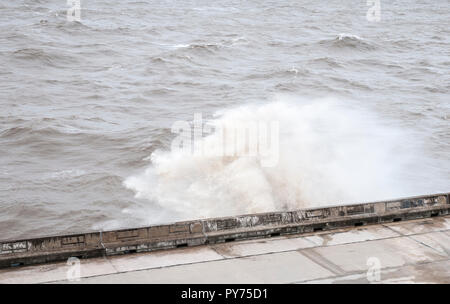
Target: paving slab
(256, 247)
(54, 272)
(354, 257)
(352, 236)
(429, 273)
(421, 226)
(282, 267)
(440, 241)
(166, 258)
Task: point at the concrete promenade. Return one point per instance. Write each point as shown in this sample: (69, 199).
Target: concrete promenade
(413, 251)
(49, 249)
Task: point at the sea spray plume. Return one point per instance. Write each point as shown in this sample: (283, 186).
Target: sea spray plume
(329, 152)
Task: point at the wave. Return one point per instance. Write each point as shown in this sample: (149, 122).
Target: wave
(210, 46)
(32, 54)
(279, 73)
(48, 129)
(348, 41)
(327, 62)
(344, 36)
(329, 152)
(43, 56)
(45, 131)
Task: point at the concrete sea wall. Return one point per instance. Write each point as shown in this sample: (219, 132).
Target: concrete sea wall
(217, 230)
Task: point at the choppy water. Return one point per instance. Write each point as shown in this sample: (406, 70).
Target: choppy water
(363, 107)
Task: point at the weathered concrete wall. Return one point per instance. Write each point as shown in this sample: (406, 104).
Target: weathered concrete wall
(216, 230)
